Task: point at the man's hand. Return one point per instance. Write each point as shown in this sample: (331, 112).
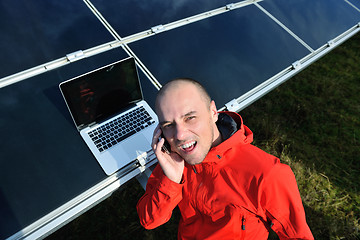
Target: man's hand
(172, 164)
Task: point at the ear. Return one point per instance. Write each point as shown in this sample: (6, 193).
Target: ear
(213, 111)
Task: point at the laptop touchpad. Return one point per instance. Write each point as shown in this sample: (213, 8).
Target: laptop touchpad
(135, 146)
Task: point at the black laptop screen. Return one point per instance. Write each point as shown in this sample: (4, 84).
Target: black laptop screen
(99, 94)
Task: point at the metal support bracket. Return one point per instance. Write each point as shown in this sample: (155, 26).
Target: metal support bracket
(144, 172)
(230, 6)
(296, 65)
(330, 43)
(233, 106)
(157, 29)
(72, 57)
(142, 161)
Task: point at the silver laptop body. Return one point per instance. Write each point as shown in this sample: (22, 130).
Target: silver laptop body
(109, 111)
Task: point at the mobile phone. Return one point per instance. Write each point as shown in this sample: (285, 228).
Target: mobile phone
(166, 147)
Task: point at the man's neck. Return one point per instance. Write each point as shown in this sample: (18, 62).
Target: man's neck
(217, 137)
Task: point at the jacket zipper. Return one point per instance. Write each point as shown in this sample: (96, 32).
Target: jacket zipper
(243, 220)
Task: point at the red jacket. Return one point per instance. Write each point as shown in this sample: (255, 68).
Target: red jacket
(237, 192)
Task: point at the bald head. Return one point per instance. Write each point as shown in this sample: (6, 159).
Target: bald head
(187, 119)
(180, 84)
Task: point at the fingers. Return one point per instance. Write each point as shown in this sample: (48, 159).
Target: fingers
(172, 164)
(157, 144)
(155, 140)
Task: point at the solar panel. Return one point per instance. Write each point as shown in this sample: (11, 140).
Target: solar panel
(354, 3)
(234, 49)
(44, 175)
(36, 32)
(316, 22)
(229, 53)
(129, 17)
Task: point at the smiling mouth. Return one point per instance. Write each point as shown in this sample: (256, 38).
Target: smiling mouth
(188, 147)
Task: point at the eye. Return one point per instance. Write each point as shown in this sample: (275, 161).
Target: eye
(190, 118)
(167, 126)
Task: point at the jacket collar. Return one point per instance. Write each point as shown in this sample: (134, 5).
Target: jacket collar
(233, 131)
(226, 125)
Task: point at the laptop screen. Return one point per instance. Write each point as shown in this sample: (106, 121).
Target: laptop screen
(102, 93)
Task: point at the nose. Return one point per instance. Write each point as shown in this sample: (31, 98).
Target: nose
(180, 132)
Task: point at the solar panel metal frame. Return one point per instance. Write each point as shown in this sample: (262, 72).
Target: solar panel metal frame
(100, 191)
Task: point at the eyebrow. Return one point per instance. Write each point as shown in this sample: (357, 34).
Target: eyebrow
(189, 114)
(185, 115)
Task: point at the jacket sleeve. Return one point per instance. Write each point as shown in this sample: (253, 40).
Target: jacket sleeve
(283, 205)
(161, 197)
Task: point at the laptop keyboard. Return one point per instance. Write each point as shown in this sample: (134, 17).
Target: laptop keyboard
(111, 133)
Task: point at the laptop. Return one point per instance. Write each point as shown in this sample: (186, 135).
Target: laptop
(109, 111)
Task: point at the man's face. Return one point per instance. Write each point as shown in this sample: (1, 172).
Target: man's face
(188, 122)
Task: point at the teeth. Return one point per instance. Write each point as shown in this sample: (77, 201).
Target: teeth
(188, 145)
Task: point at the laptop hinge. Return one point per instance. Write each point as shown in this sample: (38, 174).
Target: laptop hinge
(83, 126)
(91, 124)
(80, 127)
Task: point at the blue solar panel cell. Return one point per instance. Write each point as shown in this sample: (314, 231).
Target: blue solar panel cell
(36, 32)
(128, 17)
(315, 21)
(355, 4)
(230, 53)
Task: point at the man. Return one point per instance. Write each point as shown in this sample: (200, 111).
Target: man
(225, 187)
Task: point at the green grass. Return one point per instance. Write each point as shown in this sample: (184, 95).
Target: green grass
(312, 122)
